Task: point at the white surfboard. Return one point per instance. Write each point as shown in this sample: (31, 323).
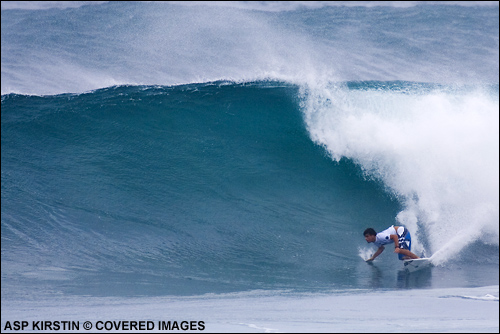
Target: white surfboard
(413, 265)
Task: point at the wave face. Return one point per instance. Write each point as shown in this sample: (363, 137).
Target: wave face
(153, 149)
(215, 182)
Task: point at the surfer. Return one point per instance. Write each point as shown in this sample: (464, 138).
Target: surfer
(399, 235)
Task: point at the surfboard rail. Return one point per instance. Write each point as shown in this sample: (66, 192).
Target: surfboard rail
(412, 265)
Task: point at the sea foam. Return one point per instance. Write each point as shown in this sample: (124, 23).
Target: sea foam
(436, 150)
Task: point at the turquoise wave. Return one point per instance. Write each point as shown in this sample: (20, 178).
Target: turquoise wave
(186, 189)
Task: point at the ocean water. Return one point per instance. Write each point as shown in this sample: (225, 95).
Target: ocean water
(219, 162)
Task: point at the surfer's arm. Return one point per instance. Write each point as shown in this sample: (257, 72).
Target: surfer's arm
(395, 238)
(377, 253)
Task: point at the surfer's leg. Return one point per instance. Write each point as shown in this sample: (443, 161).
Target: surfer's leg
(405, 245)
(405, 253)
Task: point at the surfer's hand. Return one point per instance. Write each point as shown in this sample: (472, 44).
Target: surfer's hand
(396, 250)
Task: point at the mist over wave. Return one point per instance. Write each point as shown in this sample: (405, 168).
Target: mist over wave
(228, 147)
(79, 49)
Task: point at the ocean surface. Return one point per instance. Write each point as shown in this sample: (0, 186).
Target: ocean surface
(220, 161)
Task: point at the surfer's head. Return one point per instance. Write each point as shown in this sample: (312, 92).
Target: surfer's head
(370, 235)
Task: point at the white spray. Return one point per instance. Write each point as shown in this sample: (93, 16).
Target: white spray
(436, 150)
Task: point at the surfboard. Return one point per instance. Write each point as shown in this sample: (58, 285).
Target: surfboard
(413, 265)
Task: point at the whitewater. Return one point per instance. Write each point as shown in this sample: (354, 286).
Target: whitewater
(215, 164)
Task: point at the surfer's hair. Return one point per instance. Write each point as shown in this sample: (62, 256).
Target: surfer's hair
(369, 231)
